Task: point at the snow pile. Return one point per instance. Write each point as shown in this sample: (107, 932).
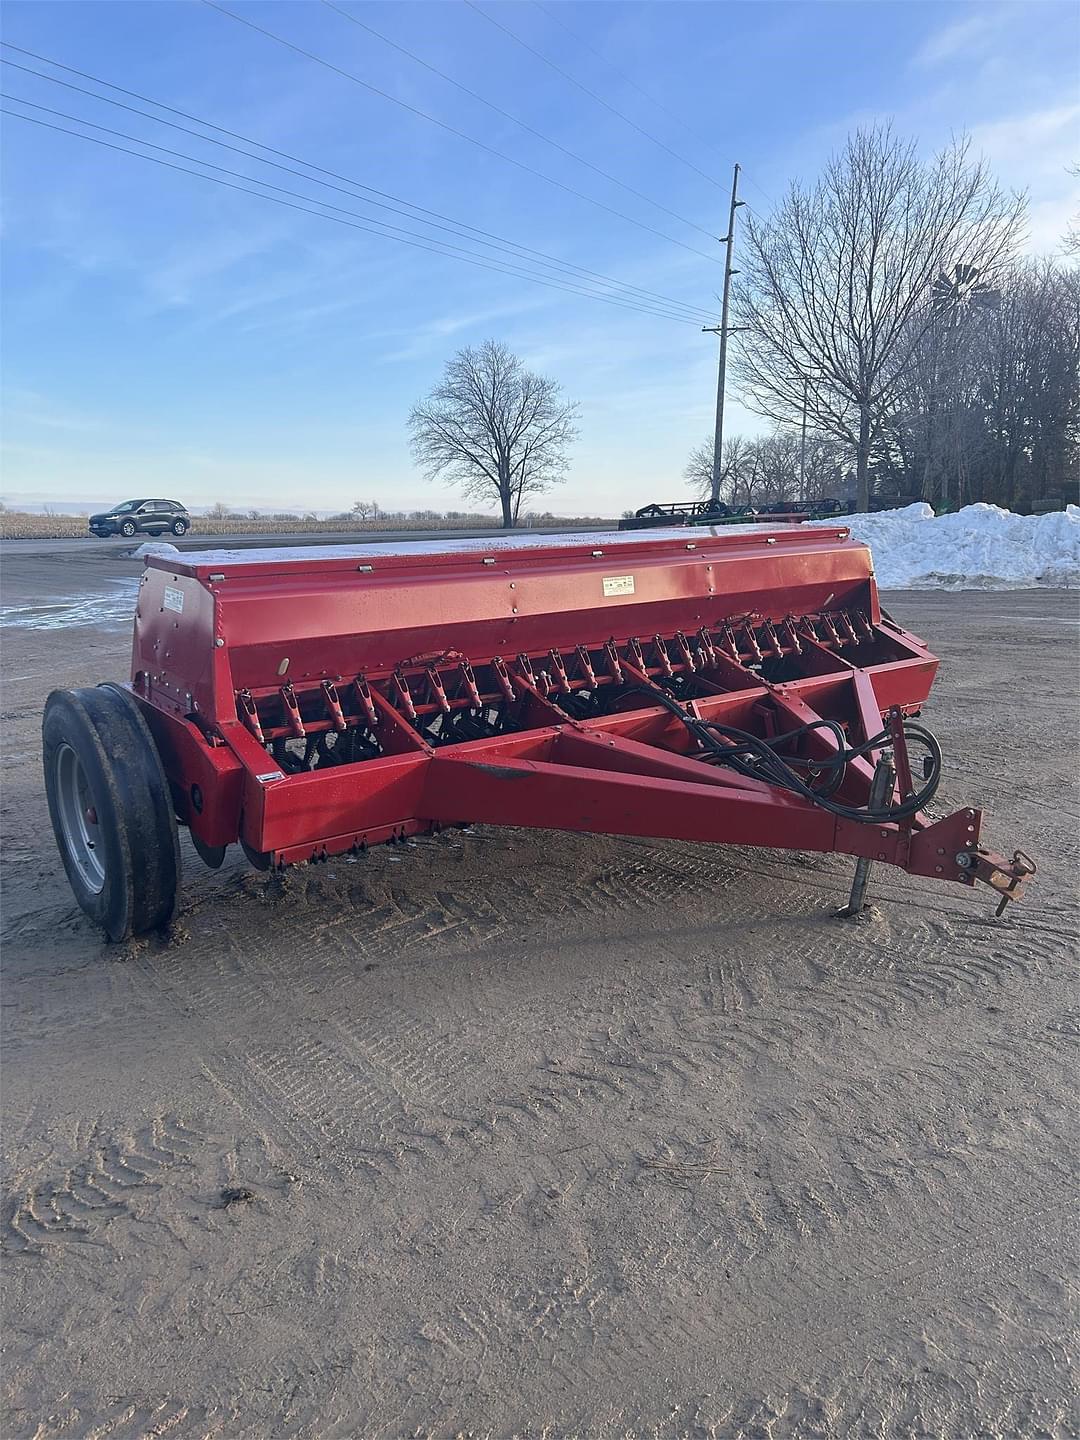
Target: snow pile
(981, 547)
(154, 547)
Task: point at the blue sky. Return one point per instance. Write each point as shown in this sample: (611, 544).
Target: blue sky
(165, 334)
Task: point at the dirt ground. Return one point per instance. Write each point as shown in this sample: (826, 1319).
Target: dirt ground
(548, 1135)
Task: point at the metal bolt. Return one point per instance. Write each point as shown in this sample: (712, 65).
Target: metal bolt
(219, 642)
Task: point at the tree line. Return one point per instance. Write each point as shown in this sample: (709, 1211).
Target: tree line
(888, 327)
(887, 304)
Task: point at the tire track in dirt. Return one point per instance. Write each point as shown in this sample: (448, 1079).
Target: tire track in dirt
(383, 1103)
(84, 1417)
(72, 1006)
(109, 1180)
(341, 1095)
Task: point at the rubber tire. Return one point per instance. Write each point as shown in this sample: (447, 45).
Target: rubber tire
(128, 528)
(105, 728)
(179, 527)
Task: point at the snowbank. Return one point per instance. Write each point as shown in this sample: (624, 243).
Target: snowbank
(981, 547)
(154, 547)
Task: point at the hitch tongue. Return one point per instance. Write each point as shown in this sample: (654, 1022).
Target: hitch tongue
(1007, 877)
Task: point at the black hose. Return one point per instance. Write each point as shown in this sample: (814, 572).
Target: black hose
(759, 759)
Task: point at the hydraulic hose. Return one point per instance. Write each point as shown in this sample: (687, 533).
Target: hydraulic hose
(760, 759)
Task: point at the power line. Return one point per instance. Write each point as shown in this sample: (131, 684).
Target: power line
(550, 12)
(451, 129)
(629, 79)
(450, 252)
(514, 119)
(764, 194)
(390, 231)
(451, 226)
(591, 93)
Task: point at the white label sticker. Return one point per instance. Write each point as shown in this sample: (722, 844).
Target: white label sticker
(618, 585)
(174, 599)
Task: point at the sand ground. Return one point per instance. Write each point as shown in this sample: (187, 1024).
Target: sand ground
(549, 1135)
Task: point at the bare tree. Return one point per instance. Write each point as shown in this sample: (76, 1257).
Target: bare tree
(836, 285)
(772, 467)
(494, 427)
(1006, 425)
(699, 468)
(1071, 240)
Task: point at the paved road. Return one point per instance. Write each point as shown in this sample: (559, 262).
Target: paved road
(201, 540)
(57, 584)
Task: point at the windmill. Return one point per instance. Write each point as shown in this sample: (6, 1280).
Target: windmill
(952, 297)
(953, 294)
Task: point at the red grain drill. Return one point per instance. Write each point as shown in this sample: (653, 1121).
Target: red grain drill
(741, 686)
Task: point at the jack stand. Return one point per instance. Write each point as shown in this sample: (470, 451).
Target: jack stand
(881, 788)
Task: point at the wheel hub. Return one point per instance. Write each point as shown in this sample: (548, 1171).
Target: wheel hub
(79, 819)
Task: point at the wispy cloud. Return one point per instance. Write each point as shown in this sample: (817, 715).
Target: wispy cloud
(1035, 150)
(958, 40)
(1039, 141)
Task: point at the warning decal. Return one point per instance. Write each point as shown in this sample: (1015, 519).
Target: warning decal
(618, 585)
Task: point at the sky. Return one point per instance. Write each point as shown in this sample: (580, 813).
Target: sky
(164, 334)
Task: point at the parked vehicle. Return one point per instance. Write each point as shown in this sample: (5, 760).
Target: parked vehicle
(153, 517)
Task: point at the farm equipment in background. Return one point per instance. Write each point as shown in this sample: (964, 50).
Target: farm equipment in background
(741, 687)
(686, 512)
(716, 512)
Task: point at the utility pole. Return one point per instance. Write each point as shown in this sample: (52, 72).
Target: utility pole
(802, 441)
(723, 331)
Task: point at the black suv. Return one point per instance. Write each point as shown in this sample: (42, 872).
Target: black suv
(152, 516)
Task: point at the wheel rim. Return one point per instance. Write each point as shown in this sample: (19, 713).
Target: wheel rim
(79, 823)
